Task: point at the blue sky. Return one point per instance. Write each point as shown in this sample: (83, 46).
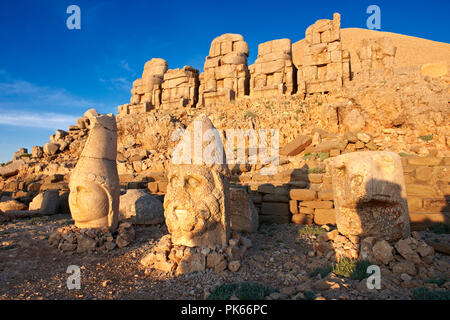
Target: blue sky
(50, 75)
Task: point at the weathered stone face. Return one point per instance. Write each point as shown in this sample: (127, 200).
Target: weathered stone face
(196, 205)
(195, 208)
(94, 183)
(369, 195)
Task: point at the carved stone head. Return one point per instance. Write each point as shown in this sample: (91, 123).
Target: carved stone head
(94, 183)
(370, 196)
(197, 200)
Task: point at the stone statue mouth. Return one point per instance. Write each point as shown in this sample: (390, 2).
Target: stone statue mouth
(180, 211)
(382, 196)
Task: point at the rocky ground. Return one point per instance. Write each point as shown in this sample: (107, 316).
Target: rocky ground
(279, 258)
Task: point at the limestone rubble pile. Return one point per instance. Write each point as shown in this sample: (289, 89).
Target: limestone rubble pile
(411, 252)
(89, 240)
(179, 259)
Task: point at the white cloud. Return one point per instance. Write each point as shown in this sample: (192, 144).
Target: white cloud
(124, 64)
(46, 120)
(119, 83)
(31, 95)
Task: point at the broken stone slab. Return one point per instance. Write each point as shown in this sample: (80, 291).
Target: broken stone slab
(12, 205)
(49, 202)
(383, 251)
(19, 214)
(11, 169)
(19, 153)
(326, 146)
(37, 152)
(51, 148)
(441, 247)
(141, 207)
(243, 213)
(296, 146)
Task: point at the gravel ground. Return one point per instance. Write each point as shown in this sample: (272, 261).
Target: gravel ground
(279, 258)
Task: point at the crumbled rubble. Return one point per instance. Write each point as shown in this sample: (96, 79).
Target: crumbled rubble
(403, 256)
(181, 260)
(71, 238)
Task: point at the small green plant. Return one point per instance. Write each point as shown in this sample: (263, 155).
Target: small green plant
(440, 228)
(37, 220)
(427, 294)
(438, 281)
(268, 105)
(308, 295)
(351, 268)
(404, 154)
(311, 230)
(323, 271)
(428, 137)
(67, 222)
(25, 155)
(322, 155)
(318, 155)
(308, 155)
(250, 115)
(8, 247)
(316, 170)
(243, 291)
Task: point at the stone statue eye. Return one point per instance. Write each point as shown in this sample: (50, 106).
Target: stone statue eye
(173, 180)
(356, 180)
(193, 182)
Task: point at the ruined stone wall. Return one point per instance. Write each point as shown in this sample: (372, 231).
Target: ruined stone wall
(273, 72)
(377, 56)
(326, 66)
(226, 75)
(180, 88)
(427, 182)
(146, 91)
(303, 197)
